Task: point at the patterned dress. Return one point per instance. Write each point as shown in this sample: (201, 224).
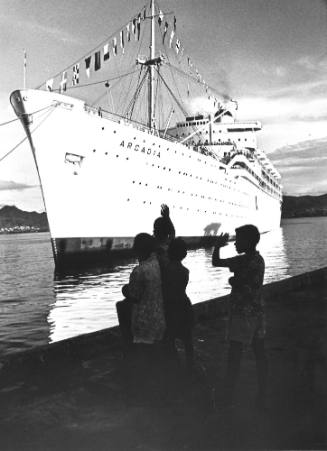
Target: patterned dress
(246, 301)
(148, 317)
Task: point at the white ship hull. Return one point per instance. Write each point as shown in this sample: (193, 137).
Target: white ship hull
(103, 181)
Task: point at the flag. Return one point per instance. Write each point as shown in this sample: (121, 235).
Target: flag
(63, 83)
(134, 26)
(49, 84)
(122, 45)
(128, 32)
(97, 60)
(182, 51)
(177, 46)
(165, 32)
(160, 18)
(138, 26)
(106, 54)
(75, 79)
(188, 89)
(174, 23)
(88, 66)
(114, 45)
(144, 13)
(172, 34)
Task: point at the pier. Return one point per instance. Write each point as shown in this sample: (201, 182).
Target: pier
(73, 394)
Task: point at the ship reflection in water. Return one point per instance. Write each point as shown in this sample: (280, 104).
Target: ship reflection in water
(85, 302)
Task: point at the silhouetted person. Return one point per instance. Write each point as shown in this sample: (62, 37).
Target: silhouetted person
(144, 291)
(246, 310)
(163, 232)
(143, 295)
(178, 307)
(145, 362)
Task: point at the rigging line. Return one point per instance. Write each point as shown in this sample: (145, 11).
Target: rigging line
(173, 78)
(196, 131)
(173, 95)
(26, 137)
(12, 150)
(141, 105)
(9, 122)
(98, 82)
(134, 99)
(18, 116)
(130, 106)
(94, 48)
(193, 78)
(127, 90)
(129, 87)
(156, 95)
(107, 80)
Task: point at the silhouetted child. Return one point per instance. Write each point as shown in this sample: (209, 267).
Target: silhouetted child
(163, 232)
(246, 310)
(178, 307)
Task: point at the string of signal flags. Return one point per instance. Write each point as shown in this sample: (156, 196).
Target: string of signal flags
(95, 60)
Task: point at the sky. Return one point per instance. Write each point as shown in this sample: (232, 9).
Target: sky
(269, 55)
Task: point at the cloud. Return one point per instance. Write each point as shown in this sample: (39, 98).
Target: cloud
(9, 185)
(280, 71)
(303, 166)
(34, 26)
(289, 108)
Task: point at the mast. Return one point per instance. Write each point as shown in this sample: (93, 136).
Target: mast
(151, 70)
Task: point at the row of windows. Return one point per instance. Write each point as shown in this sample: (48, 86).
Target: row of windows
(198, 210)
(180, 153)
(231, 186)
(199, 196)
(199, 160)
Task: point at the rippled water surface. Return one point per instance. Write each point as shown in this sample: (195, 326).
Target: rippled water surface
(38, 308)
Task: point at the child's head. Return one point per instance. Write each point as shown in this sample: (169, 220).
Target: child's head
(247, 237)
(143, 246)
(177, 250)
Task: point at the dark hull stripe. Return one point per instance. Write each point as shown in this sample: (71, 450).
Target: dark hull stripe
(73, 252)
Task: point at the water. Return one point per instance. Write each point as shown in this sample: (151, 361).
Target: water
(36, 308)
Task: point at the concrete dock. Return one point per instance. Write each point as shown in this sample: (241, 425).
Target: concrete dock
(78, 394)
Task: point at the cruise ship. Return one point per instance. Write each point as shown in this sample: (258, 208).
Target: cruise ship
(105, 172)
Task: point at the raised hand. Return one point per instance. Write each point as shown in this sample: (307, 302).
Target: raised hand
(222, 240)
(164, 210)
